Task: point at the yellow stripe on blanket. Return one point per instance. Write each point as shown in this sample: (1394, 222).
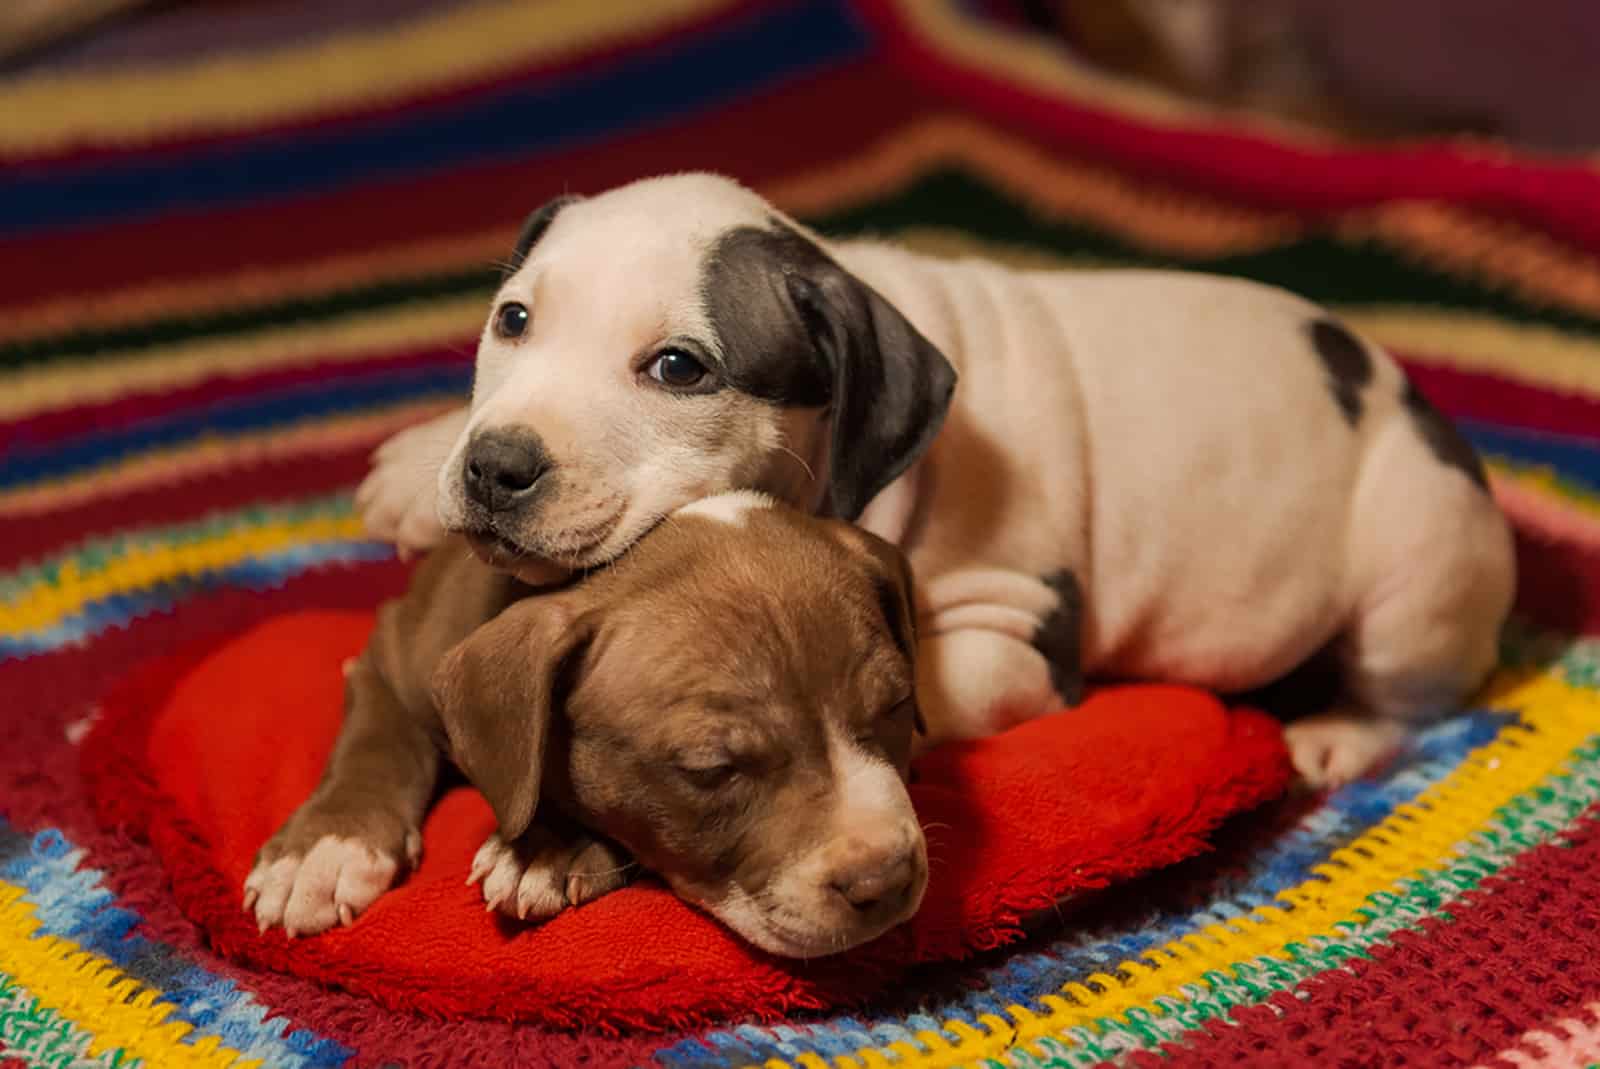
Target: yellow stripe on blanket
(1419, 835)
(119, 1011)
(362, 68)
(136, 565)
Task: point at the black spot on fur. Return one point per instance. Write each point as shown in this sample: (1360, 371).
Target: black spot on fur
(1059, 636)
(1347, 362)
(1443, 439)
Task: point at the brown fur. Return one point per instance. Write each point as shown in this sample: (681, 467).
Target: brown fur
(690, 703)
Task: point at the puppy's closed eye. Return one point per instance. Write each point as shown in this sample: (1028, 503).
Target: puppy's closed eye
(707, 772)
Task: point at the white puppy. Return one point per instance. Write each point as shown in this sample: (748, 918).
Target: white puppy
(1143, 474)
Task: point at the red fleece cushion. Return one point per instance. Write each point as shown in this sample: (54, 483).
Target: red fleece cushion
(205, 754)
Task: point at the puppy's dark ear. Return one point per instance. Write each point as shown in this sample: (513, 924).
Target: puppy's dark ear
(496, 692)
(891, 387)
(533, 228)
(892, 581)
(891, 576)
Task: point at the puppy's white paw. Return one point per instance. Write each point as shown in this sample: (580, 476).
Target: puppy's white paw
(539, 875)
(1331, 749)
(332, 883)
(397, 499)
(396, 506)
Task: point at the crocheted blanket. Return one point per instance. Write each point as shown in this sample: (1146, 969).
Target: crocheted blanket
(229, 271)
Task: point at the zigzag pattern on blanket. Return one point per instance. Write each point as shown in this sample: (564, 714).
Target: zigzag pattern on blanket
(182, 420)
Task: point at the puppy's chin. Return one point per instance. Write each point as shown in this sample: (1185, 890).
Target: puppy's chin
(766, 932)
(500, 555)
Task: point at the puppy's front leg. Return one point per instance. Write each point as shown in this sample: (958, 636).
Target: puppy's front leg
(553, 865)
(349, 841)
(397, 499)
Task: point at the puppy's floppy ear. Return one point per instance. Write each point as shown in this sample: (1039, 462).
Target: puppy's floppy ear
(533, 228)
(891, 387)
(496, 692)
(891, 579)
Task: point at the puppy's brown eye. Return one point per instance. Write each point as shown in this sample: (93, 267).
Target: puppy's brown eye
(511, 320)
(676, 368)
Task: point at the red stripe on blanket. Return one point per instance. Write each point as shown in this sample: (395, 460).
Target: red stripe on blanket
(1558, 197)
(1558, 584)
(146, 407)
(1505, 402)
(1513, 954)
(753, 140)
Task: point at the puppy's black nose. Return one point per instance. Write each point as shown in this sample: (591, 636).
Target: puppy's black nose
(502, 468)
(882, 883)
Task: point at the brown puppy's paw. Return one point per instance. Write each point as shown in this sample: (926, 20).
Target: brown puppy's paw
(309, 878)
(542, 873)
(1331, 749)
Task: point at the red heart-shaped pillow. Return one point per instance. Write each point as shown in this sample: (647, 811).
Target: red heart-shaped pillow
(205, 754)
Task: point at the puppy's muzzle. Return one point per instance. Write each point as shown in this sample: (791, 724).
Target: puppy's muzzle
(502, 469)
(883, 885)
(874, 886)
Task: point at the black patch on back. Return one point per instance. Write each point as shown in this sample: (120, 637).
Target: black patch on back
(1059, 637)
(533, 228)
(1347, 362)
(1445, 442)
(767, 347)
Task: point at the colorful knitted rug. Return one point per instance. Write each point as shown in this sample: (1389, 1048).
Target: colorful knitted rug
(227, 272)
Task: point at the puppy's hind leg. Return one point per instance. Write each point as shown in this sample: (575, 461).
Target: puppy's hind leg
(1427, 636)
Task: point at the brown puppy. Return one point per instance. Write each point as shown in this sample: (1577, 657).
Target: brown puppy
(731, 704)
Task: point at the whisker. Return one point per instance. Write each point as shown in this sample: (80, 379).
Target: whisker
(801, 461)
(616, 871)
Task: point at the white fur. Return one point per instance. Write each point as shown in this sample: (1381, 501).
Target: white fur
(532, 888)
(1171, 440)
(870, 796)
(730, 508)
(1168, 438)
(332, 884)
